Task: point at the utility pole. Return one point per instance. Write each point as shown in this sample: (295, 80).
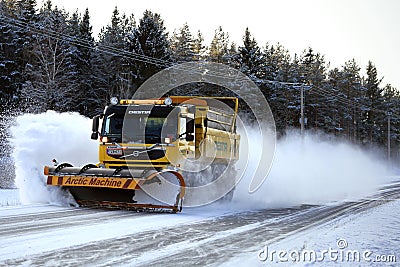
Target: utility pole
(388, 137)
(302, 110)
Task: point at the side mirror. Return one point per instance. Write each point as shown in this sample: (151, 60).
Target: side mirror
(94, 136)
(95, 124)
(95, 127)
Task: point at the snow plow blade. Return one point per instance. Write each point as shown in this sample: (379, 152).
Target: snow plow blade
(91, 186)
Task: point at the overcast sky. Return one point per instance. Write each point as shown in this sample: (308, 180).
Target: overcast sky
(339, 29)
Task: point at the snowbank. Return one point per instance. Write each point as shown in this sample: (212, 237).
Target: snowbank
(9, 197)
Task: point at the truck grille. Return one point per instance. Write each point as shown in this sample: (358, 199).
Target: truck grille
(140, 154)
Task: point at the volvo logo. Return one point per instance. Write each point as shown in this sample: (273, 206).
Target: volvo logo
(134, 153)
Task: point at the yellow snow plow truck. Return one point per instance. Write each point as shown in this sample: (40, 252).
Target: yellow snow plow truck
(147, 147)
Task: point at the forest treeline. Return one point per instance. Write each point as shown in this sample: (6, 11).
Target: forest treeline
(49, 59)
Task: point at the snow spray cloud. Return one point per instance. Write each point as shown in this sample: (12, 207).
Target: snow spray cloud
(231, 79)
(308, 170)
(39, 138)
(316, 169)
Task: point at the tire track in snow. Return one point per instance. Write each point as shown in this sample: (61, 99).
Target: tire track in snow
(147, 246)
(207, 242)
(215, 252)
(50, 221)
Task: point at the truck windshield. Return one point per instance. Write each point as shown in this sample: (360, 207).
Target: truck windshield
(139, 128)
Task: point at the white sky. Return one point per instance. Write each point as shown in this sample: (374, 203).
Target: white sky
(339, 29)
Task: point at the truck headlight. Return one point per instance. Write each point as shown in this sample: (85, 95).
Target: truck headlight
(168, 101)
(114, 101)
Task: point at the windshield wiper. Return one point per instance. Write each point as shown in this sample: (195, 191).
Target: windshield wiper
(109, 116)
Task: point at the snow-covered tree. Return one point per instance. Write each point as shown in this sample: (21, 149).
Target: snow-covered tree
(392, 105)
(10, 71)
(375, 113)
(199, 48)
(249, 58)
(345, 99)
(357, 102)
(150, 41)
(283, 99)
(219, 46)
(15, 42)
(108, 58)
(314, 72)
(53, 62)
(182, 44)
(51, 83)
(90, 99)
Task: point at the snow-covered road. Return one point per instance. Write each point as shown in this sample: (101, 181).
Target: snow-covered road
(50, 235)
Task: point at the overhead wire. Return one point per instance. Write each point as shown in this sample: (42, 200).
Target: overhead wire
(346, 101)
(119, 52)
(105, 48)
(6, 20)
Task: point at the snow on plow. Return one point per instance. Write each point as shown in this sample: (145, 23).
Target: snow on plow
(99, 187)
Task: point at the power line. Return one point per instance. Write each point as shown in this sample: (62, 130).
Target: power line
(346, 101)
(81, 42)
(5, 20)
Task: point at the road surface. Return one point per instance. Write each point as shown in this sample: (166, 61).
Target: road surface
(45, 235)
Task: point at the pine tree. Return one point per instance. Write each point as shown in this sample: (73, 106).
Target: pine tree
(182, 44)
(314, 72)
(346, 100)
(91, 100)
(10, 79)
(74, 63)
(199, 48)
(219, 46)
(15, 42)
(151, 41)
(284, 100)
(290, 71)
(50, 84)
(391, 105)
(27, 14)
(108, 61)
(374, 115)
(249, 58)
(27, 10)
(10, 70)
(357, 99)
